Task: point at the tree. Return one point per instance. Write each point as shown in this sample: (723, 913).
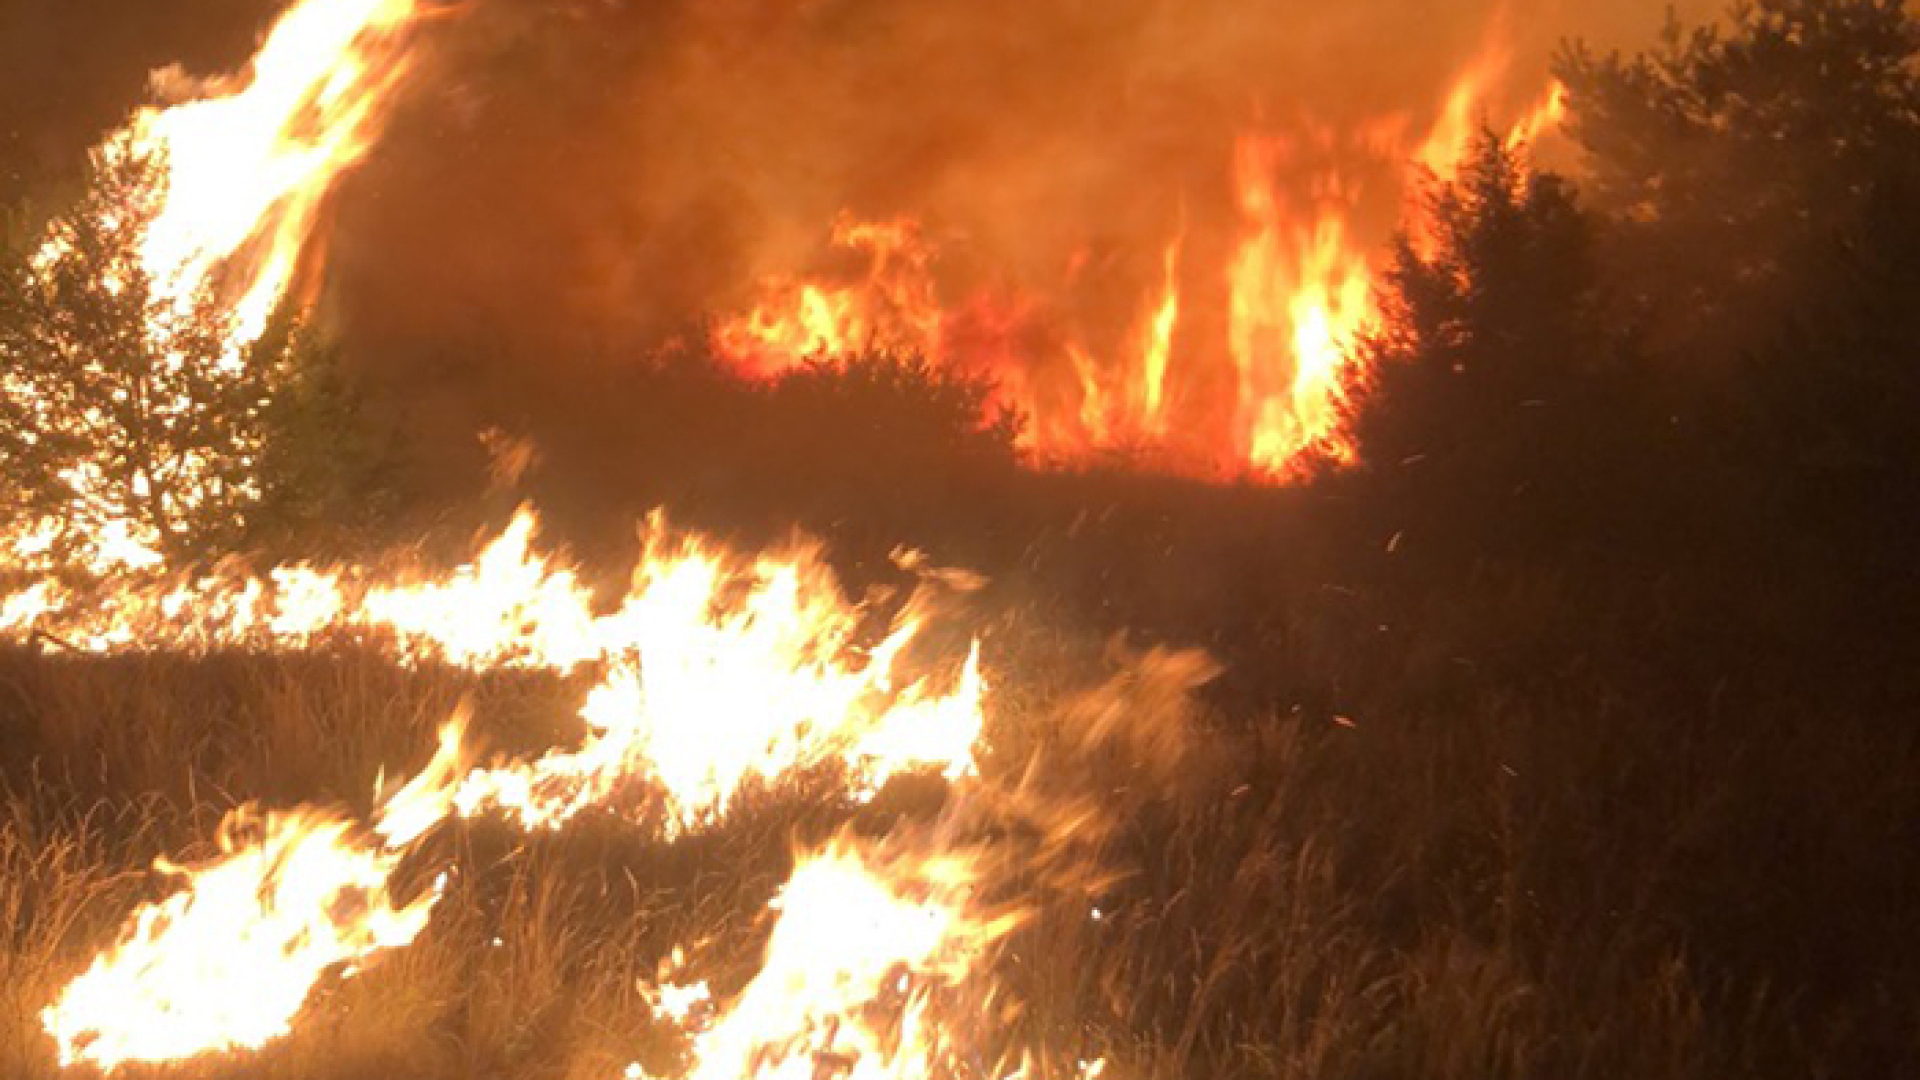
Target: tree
(133, 420)
(1763, 187)
(125, 409)
(892, 406)
(327, 470)
(1495, 411)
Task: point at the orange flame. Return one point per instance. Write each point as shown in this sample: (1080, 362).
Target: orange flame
(1296, 291)
(894, 309)
(1545, 117)
(1158, 348)
(1296, 298)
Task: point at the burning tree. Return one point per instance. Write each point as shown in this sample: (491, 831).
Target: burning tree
(139, 353)
(126, 412)
(136, 417)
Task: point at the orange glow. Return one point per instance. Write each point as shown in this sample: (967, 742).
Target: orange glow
(1256, 390)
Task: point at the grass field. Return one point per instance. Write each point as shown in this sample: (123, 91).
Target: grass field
(1490, 836)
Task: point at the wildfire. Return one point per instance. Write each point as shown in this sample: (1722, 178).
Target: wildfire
(716, 671)
(1294, 292)
(865, 939)
(226, 962)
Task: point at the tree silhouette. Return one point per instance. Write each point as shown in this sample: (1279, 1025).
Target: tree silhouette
(1763, 189)
(1732, 161)
(1493, 409)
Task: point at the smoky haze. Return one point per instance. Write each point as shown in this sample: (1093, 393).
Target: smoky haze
(571, 182)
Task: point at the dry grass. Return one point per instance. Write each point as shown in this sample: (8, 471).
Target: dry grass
(1467, 879)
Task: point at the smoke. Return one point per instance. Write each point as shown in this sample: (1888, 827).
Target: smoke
(576, 178)
(70, 71)
(571, 182)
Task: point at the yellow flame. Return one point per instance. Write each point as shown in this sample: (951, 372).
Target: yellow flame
(226, 962)
(1158, 347)
(724, 671)
(864, 937)
(250, 160)
(714, 669)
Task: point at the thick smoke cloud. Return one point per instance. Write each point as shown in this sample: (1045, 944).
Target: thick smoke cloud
(572, 181)
(575, 179)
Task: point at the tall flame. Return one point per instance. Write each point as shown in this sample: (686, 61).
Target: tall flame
(250, 160)
(1296, 299)
(1296, 289)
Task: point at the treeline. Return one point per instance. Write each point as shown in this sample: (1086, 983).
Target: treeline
(1711, 328)
(1698, 351)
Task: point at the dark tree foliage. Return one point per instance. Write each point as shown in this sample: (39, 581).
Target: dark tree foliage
(889, 440)
(1763, 188)
(328, 469)
(1729, 158)
(1494, 412)
(868, 450)
(896, 405)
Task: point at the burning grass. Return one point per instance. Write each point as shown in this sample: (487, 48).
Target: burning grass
(1506, 882)
(507, 821)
